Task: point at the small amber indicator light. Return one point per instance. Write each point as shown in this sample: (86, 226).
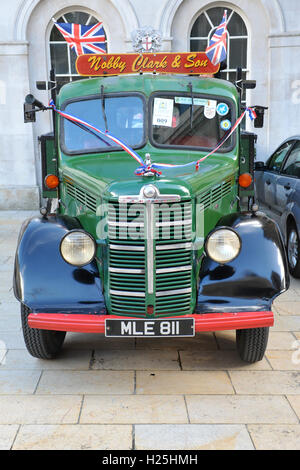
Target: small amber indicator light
(245, 180)
(51, 181)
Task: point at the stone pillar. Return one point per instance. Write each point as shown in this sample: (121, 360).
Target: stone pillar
(18, 188)
(284, 87)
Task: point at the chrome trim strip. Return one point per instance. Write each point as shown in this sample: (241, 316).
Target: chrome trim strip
(174, 223)
(173, 292)
(150, 247)
(179, 246)
(125, 224)
(126, 271)
(173, 270)
(126, 293)
(126, 247)
(140, 198)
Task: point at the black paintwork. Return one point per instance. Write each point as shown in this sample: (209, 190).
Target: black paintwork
(254, 278)
(44, 281)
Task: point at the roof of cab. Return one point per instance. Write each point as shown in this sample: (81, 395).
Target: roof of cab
(147, 84)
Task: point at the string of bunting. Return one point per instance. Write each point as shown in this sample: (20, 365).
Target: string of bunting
(154, 168)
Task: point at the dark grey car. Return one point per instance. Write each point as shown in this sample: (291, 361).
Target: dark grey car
(277, 186)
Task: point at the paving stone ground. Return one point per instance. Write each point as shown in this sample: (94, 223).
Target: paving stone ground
(146, 394)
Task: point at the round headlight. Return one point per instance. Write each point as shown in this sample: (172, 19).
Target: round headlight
(78, 248)
(223, 245)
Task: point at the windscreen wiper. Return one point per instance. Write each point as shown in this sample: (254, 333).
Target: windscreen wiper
(90, 131)
(103, 108)
(192, 106)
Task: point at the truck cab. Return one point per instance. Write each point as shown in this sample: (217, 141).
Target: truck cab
(150, 226)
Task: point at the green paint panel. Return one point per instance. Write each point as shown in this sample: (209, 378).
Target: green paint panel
(91, 185)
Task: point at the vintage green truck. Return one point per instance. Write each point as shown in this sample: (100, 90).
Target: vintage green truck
(151, 254)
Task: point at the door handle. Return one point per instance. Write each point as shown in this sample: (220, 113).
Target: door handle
(287, 186)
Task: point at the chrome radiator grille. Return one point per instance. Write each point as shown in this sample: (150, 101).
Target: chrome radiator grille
(132, 262)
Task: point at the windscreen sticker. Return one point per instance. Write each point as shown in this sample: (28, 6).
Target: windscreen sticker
(162, 112)
(188, 100)
(225, 125)
(183, 100)
(222, 109)
(210, 109)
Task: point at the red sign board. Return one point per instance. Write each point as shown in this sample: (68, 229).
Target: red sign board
(192, 63)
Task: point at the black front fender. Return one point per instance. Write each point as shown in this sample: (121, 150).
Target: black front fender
(43, 280)
(254, 278)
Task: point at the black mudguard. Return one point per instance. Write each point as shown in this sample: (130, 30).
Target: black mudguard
(254, 278)
(44, 281)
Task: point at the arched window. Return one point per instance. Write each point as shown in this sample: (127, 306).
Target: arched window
(237, 45)
(62, 57)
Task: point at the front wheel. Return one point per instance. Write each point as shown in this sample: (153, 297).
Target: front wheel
(43, 344)
(252, 343)
(293, 251)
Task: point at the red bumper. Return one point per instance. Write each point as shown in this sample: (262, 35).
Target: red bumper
(96, 323)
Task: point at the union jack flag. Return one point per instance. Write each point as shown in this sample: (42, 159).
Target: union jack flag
(217, 48)
(84, 39)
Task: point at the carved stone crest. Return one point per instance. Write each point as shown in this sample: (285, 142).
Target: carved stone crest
(146, 39)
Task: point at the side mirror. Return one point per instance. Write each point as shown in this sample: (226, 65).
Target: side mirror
(29, 113)
(249, 84)
(260, 112)
(31, 100)
(31, 107)
(259, 165)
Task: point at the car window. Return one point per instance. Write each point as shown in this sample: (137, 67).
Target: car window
(292, 165)
(278, 157)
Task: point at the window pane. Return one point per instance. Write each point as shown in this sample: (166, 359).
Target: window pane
(198, 45)
(278, 157)
(125, 118)
(73, 57)
(232, 78)
(216, 14)
(176, 123)
(292, 165)
(236, 26)
(61, 81)
(59, 52)
(59, 58)
(77, 17)
(75, 78)
(56, 34)
(201, 27)
(238, 53)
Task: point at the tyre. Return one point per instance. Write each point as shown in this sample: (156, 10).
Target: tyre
(252, 343)
(293, 250)
(43, 344)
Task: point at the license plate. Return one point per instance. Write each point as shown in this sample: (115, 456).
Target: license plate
(150, 328)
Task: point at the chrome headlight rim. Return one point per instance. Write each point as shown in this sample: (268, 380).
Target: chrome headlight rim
(77, 230)
(215, 230)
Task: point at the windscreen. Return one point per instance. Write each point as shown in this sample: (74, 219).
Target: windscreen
(183, 121)
(125, 120)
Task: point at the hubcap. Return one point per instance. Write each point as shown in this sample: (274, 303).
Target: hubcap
(293, 249)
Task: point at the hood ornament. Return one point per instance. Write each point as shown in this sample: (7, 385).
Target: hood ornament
(148, 164)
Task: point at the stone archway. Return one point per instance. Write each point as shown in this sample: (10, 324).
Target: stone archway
(126, 13)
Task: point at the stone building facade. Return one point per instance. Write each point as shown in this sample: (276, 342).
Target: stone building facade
(264, 35)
